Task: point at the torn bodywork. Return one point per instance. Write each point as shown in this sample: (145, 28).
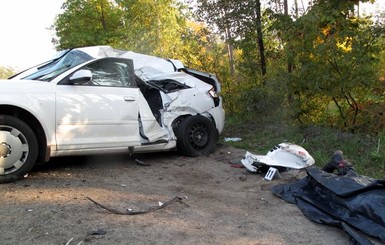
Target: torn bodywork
(284, 155)
(173, 92)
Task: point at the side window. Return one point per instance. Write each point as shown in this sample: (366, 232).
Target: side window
(111, 73)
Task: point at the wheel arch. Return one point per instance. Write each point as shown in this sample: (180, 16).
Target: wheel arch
(180, 118)
(35, 126)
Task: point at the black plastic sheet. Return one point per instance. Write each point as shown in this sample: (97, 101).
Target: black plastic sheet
(355, 204)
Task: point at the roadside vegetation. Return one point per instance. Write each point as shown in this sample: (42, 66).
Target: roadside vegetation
(366, 152)
(307, 74)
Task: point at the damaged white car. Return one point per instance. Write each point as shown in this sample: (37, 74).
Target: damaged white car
(102, 100)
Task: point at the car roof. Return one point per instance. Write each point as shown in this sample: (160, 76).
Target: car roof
(140, 60)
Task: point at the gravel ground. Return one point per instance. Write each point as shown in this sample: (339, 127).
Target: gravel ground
(221, 203)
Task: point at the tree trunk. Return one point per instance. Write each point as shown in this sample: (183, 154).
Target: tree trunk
(289, 62)
(290, 65)
(230, 52)
(260, 37)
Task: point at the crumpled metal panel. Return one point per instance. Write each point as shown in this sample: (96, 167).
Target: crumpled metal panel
(283, 155)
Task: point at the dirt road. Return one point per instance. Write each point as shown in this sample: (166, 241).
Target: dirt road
(221, 204)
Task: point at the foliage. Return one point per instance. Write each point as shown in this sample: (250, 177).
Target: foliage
(151, 27)
(202, 50)
(237, 22)
(247, 91)
(161, 28)
(6, 72)
(87, 23)
(335, 59)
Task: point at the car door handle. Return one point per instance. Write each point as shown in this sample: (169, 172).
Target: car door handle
(129, 98)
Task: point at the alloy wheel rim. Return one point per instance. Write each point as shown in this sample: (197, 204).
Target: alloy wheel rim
(14, 149)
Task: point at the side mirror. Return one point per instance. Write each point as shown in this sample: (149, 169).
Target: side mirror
(80, 77)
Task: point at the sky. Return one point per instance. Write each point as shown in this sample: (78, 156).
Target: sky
(24, 38)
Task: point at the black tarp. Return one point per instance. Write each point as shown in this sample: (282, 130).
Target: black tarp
(355, 204)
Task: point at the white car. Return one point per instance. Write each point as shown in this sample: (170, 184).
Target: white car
(102, 100)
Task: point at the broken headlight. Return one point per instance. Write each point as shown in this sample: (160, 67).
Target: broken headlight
(213, 93)
(215, 96)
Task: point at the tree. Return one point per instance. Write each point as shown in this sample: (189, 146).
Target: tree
(335, 56)
(239, 22)
(258, 21)
(163, 28)
(6, 72)
(151, 27)
(87, 23)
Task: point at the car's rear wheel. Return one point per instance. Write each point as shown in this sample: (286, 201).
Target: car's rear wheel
(18, 148)
(196, 135)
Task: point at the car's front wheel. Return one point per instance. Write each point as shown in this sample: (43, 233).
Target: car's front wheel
(196, 135)
(18, 148)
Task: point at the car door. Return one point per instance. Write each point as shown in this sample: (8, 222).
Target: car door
(99, 113)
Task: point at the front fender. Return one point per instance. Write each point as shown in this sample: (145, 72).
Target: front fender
(37, 98)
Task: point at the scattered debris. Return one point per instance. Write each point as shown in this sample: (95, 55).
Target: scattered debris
(130, 212)
(284, 155)
(236, 163)
(232, 139)
(236, 166)
(98, 232)
(141, 163)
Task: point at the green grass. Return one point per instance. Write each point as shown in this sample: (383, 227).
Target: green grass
(366, 153)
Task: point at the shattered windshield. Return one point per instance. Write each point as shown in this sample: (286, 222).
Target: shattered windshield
(62, 62)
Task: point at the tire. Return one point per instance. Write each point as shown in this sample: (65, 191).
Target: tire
(18, 149)
(196, 135)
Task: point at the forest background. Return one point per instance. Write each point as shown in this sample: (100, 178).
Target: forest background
(311, 74)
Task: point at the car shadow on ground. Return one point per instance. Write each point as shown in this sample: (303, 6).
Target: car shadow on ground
(99, 160)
